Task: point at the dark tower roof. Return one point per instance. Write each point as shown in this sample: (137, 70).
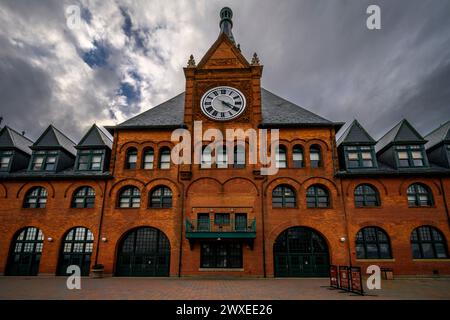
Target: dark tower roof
(355, 134)
(53, 138)
(95, 137)
(10, 138)
(403, 132)
(226, 23)
(439, 135)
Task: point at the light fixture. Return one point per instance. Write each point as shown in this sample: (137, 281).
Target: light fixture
(218, 239)
(342, 239)
(50, 239)
(104, 239)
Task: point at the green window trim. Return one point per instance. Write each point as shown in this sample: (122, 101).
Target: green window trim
(366, 195)
(283, 196)
(357, 157)
(317, 196)
(131, 158)
(410, 156)
(6, 159)
(419, 195)
(83, 197)
(36, 198)
(161, 197)
(44, 161)
(87, 160)
(129, 197)
(373, 243)
(428, 243)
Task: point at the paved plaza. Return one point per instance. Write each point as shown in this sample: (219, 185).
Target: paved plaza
(194, 289)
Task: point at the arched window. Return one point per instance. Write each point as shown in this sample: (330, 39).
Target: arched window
(297, 157)
(317, 197)
(164, 158)
(315, 156)
(419, 195)
(428, 243)
(76, 250)
(281, 157)
(131, 159)
(35, 198)
(25, 253)
(148, 158)
(239, 156)
(366, 196)
(161, 197)
(84, 197)
(129, 197)
(372, 243)
(283, 196)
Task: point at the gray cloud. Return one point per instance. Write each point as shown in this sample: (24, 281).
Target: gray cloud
(317, 53)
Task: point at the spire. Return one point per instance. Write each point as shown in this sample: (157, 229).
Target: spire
(226, 24)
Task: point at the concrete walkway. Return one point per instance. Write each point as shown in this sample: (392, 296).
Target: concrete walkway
(198, 289)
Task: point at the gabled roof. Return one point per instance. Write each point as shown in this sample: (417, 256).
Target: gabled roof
(355, 134)
(276, 111)
(53, 138)
(403, 132)
(441, 134)
(95, 137)
(10, 138)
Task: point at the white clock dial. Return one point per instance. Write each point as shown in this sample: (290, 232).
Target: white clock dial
(223, 103)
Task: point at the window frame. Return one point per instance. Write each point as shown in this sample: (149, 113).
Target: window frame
(42, 195)
(163, 152)
(90, 153)
(284, 204)
(6, 154)
(44, 154)
(359, 150)
(377, 242)
(298, 150)
(364, 203)
(319, 162)
(131, 151)
(85, 197)
(278, 155)
(160, 204)
(432, 242)
(214, 258)
(316, 197)
(130, 197)
(147, 152)
(409, 149)
(236, 153)
(417, 194)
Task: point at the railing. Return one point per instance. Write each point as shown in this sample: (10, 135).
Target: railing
(211, 227)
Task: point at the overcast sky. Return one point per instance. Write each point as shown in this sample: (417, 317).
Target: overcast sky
(127, 56)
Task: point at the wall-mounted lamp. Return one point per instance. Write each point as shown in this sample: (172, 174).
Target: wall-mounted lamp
(211, 210)
(342, 239)
(50, 239)
(104, 239)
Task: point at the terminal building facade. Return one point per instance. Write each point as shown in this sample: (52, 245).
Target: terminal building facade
(115, 198)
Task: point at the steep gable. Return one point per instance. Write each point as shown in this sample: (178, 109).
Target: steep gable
(355, 134)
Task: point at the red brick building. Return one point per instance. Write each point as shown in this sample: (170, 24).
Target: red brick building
(119, 200)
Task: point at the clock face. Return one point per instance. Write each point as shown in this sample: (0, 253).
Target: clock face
(223, 103)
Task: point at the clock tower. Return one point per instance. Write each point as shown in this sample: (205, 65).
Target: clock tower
(223, 90)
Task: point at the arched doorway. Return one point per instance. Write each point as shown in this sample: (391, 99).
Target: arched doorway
(76, 249)
(300, 252)
(143, 252)
(25, 253)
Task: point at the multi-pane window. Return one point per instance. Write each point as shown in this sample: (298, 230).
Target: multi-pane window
(148, 158)
(359, 156)
(428, 243)
(410, 156)
(297, 157)
(84, 197)
(90, 160)
(222, 219)
(164, 158)
(44, 160)
(281, 157)
(206, 157)
(366, 196)
(5, 160)
(315, 156)
(283, 197)
(203, 222)
(131, 158)
(239, 156)
(129, 197)
(317, 197)
(221, 255)
(222, 157)
(36, 198)
(419, 195)
(161, 197)
(372, 243)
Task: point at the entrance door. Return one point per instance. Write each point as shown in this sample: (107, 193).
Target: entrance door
(144, 252)
(76, 250)
(25, 253)
(300, 252)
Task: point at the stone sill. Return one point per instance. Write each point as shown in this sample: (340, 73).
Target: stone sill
(375, 260)
(431, 260)
(221, 269)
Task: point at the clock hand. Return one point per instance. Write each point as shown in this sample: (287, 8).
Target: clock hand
(227, 104)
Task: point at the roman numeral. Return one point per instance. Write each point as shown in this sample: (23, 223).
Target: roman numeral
(222, 114)
(209, 109)
(237, 97)
(230, 113)
(207, 103)
(236, 108)
(215, 113)
(238, 102)
(215, 93)
(223, 91)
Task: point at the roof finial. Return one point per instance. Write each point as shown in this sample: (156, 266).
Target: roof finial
(226, 24)
(191, 62)
(255, 60)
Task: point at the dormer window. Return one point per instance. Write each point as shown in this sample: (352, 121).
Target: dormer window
(90, 160)
(410, 156)
(5, 160)
(359, 156)
(44, 161)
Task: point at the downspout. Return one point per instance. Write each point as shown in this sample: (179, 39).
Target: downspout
(346, 222)
(101, 222)
(181, 222)
(263, 225)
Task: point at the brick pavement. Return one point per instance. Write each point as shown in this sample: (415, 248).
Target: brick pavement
(190, 289)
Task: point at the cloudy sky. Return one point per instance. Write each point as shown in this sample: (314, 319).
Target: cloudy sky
(127, 56)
